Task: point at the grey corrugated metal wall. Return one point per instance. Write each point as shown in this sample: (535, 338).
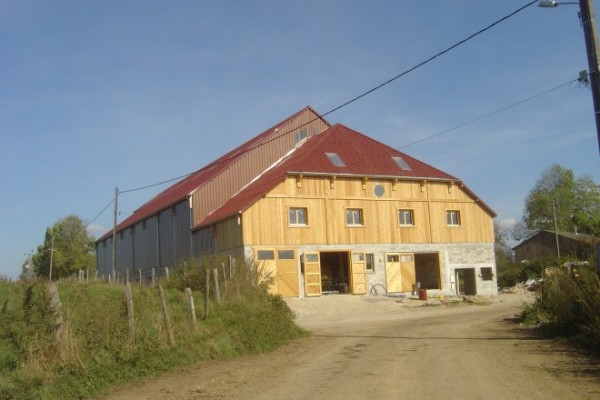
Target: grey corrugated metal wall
(124, 253)
(174, 234)
(157, 242)
(145, 249)
(104, 257)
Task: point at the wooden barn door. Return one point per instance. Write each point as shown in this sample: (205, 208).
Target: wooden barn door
(393, 274)
(407, 270)
(287, 273)
(359, 274)
(265, 263)
(312, 274)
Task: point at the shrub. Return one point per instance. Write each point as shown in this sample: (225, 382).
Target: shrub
(569, 306)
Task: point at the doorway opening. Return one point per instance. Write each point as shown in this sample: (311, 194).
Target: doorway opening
(335, 272)
(465, 282)
(427, 267)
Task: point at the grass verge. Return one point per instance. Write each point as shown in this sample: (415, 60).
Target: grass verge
(88, 347)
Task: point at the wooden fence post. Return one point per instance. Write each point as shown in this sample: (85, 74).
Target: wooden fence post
(140, 276)
(56, 306)
(165, 313)
(191, 306)
(217, 290)
(153, 277)
(206, 293)
(167, 273)
(129, 301)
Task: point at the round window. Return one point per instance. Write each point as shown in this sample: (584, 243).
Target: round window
(379, 190)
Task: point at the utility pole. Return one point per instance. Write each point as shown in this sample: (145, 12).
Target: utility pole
(51, 257)
(555, 229)
(591, 44)
(587, 16)
(114, 237)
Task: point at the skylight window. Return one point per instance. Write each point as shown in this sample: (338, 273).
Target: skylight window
(402, 164)
(336, 159)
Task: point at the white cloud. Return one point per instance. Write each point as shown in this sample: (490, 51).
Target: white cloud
(94, 229)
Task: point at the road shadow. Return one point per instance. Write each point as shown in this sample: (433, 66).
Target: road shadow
(582, 363)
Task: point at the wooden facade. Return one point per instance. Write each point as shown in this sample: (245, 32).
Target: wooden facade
(265, 229)
(266, 222)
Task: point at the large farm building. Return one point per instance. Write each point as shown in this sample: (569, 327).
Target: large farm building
(326, 209)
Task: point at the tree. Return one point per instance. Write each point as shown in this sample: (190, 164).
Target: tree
(71, 250)
(502, 236)
(575, 202)
(586, 215)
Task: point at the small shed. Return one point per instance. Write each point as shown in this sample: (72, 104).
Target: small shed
(544, 245)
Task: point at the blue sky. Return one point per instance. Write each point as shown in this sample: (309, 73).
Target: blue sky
(102, 94)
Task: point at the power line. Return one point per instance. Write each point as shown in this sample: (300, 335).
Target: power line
(441, 53)
(360, 96)
(155, 184)
(491, 113)
(99, 214)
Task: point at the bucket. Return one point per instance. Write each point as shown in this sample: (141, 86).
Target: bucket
(423, 294)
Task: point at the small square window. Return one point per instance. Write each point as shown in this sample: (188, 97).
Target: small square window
(406, 217)
(311, 258)
(370, 262)
(265, 255)
(453, 217)
(298, 216)
(354, 216)
(487, 274)
(358, 257)
(285, 254)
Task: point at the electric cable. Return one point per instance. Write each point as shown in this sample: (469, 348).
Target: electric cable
(99, 214)
(155, 184)
(439, 54)
(535, 96)
(360, 96)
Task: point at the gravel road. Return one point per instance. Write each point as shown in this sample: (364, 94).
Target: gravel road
(383, 348)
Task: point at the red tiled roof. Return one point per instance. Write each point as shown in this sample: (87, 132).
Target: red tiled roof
(180, 190)
(361, 155)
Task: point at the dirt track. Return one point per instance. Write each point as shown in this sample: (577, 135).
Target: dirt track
(379, 348)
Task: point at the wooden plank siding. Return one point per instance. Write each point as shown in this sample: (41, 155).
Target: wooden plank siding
(227, 234)
(266, 222)
(214, 193)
